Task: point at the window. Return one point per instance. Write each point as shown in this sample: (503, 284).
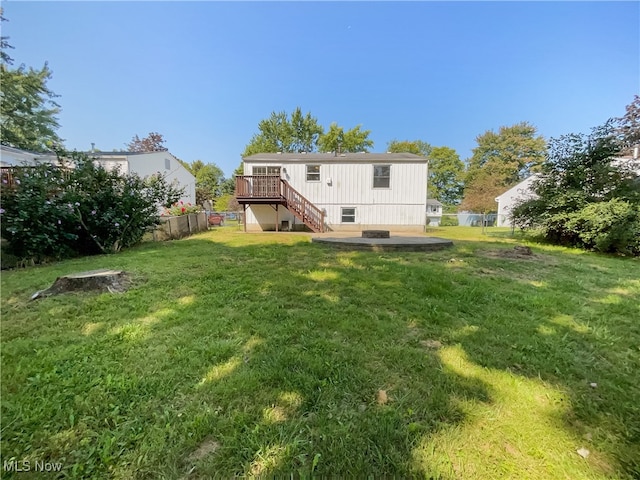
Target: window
(313, 173)
(266, 170)
(381, 176)
(348, 215)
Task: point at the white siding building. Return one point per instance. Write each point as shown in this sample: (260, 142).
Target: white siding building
(509, 199)
(143, 164)
(353, 191)
(150, 163)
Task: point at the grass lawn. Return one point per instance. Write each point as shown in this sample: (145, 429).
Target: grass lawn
(265, 354)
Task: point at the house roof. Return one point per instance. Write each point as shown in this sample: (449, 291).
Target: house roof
(521, 187)
(337, 158)
(10, 149)
(125, 154)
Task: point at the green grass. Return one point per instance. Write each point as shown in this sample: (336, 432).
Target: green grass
(263, 354)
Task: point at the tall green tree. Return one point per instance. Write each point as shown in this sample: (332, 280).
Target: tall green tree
(417, 147)
(500, 161)
(305, 132)
(228, 187)
(209, 180)
(446, 175)
(279, 133)
(4, 44)
(28, 111)
(353, 140)
(446, 170)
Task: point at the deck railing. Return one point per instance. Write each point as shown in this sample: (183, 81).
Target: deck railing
(272, 187)
(302, 208)
(258, 186)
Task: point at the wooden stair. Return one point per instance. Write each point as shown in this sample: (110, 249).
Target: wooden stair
(271, 189)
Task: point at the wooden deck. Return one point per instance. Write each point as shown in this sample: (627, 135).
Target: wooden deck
(274, 190)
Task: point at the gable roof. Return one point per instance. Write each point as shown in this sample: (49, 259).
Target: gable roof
(336, 158)
(521, 188)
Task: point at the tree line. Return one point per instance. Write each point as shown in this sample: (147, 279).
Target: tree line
(500, 159)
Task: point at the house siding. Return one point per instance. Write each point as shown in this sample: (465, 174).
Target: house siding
(143, 164)
(510, 199)
(156, 162)
(400, 207)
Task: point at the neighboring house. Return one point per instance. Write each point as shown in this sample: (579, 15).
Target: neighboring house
(510, 198)
(150, 163)
(10, 157)
(434, 212)
(143, 164)
(335, 192)
(524, 190)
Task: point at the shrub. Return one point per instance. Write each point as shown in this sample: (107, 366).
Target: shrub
(54, 212)
(612, 226)
(35, 218)
(584, 196)
(449, 221)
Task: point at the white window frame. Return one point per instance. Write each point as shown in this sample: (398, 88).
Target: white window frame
(314, 180)
(379, 177)
(342, 214)
(265, 170)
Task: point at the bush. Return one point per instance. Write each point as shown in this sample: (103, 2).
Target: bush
(449, 221)
(53, 212)
(585, 196)
(35, 219)
(612, 226)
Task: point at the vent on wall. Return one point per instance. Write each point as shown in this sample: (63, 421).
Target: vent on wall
(167, 164)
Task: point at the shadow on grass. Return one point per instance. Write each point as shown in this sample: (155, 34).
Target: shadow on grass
(276, 353)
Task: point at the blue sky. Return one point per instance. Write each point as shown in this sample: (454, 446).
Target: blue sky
(205, 73)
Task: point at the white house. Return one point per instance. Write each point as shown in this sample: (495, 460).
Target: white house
(10, 157)
(510, 198)
(524, 189)
(334, 192)
(434, 212)
(143, 164)
(150, 163)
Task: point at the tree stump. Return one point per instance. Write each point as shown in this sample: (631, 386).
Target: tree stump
(104, 280)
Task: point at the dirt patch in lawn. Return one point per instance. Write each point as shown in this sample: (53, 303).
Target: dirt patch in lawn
(207, 447)
(517, 253)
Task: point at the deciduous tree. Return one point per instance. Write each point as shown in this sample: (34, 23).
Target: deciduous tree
(4, 44)
(446, 175)
(417, 147)
(28, 111)
(628, 126)
(278, 133)
(446, 170)
(154, 142)
(337, 140)
(209, 180)
(584, 196)
(500, 161)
